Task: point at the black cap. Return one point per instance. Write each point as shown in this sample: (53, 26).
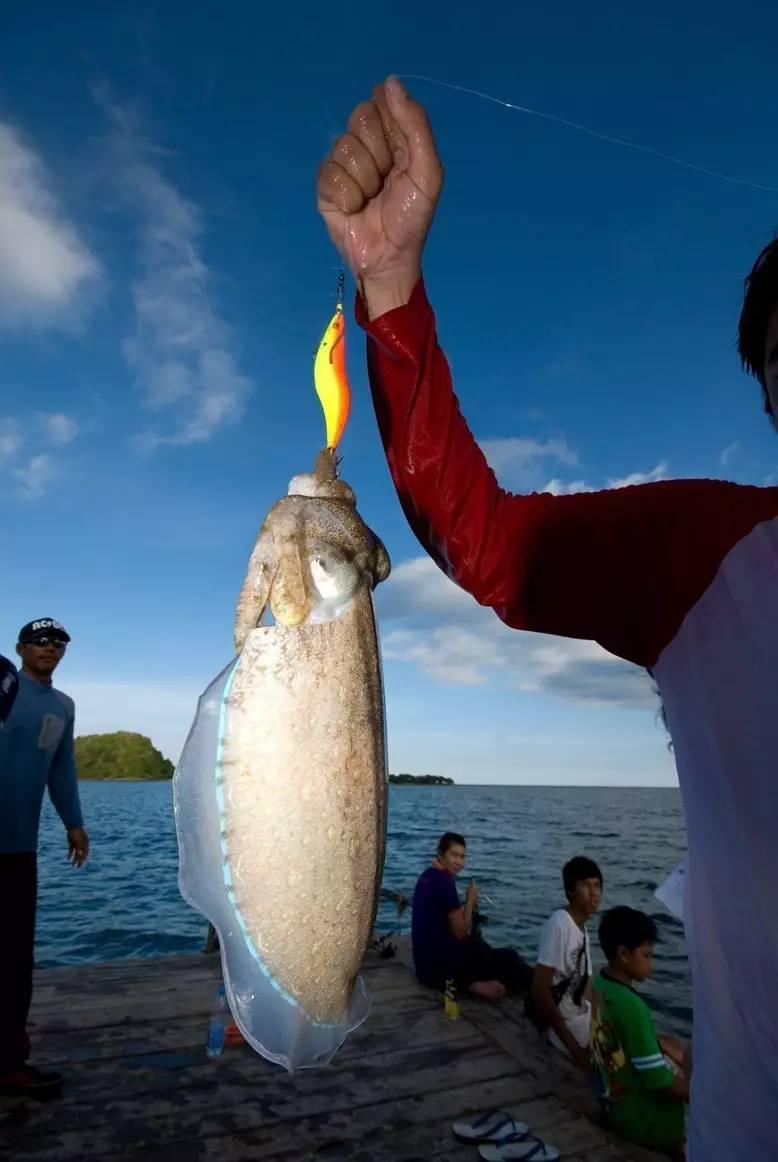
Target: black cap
(43, 627)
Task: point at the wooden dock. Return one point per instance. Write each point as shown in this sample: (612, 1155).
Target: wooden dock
(129, 1035)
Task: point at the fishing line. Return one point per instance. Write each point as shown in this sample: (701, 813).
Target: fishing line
(711, 173)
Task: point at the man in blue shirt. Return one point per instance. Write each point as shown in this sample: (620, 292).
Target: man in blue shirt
(36, 753)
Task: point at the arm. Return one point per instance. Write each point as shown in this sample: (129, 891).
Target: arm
(541, 994)
(642, 1046)
(458, 924)
(554, 956)
(63, 783)
(460, 920)
(621, 567)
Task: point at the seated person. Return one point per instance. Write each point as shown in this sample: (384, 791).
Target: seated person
(445, 946)
(560, 999)
(642, 1079)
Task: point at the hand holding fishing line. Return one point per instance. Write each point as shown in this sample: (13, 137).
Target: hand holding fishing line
(377, 193)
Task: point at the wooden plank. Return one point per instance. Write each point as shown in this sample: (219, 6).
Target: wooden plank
(233, 1108)
(115, 1005)
(148, 1033)
(131, 1036)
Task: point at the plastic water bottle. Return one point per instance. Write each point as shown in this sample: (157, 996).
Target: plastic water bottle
(217, 1024)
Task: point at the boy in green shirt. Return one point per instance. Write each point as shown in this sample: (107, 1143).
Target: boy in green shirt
(644, 1098)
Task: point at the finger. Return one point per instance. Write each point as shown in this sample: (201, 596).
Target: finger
(395, 138)
(366, 124)
(356, 159)
(412, 123)
(336, 189)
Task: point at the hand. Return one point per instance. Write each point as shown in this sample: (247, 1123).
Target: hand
(472, 892)
(78, 846)
(377, 193)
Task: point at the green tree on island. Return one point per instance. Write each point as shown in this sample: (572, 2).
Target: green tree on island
(423, 780)
(123, 755)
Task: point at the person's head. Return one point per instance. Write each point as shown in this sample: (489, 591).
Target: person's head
(758, 327)
(451, 852)
(41, 646)
(583, 884)
(627, 939)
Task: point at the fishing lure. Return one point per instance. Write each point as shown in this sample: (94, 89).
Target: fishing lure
(329, 373)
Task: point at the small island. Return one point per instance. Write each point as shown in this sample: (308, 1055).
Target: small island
(421, 780)
(123, 755)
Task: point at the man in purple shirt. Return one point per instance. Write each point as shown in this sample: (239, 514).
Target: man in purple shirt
(445, 945)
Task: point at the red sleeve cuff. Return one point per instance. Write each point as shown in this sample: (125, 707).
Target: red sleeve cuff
(401, 332)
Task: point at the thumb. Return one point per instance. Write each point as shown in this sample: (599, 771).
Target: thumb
(423, 163)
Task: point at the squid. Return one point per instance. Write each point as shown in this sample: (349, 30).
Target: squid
(281, 790)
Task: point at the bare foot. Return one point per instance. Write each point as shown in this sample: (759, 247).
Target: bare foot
(489, 990)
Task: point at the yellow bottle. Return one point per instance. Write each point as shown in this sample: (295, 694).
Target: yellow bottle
(450, 1002)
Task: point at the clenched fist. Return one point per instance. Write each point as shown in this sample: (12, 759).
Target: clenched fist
(377, 194)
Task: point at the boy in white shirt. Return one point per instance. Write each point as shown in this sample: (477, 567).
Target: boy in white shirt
(560, 999)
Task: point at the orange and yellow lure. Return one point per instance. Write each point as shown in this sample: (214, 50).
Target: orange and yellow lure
(329, 374)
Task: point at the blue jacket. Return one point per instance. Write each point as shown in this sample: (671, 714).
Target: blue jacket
(36, 751)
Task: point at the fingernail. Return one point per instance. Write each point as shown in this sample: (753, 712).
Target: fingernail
(396, 88)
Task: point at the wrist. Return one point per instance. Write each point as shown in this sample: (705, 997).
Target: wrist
(390, 290)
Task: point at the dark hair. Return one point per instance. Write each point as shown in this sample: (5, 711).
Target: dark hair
(624, 927)
(577, 869)
(759, 302)
(448, 840)
(662, 713)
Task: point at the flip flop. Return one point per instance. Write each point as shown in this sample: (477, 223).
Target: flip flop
(494, 1126)
(525, 1148)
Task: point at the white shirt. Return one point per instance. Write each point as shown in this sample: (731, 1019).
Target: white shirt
(561, 941)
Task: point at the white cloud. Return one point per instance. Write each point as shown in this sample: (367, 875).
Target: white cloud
(658, 473)
(44, 265)
(449, 653)
(58, 428)
(452, 639)
(517, 459)
(730, 453)
(11, 438)
(419, 587)
(565, 488)
(182, 350)
(33, 476)
(163, 712)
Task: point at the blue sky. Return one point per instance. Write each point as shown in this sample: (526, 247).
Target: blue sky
(164, 279)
